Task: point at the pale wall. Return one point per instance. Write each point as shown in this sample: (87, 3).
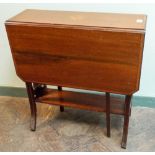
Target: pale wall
(147, 87)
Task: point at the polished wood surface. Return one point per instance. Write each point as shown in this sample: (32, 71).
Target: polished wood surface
(109, 20)
(93, 102)
(67, 57)
(92, 51)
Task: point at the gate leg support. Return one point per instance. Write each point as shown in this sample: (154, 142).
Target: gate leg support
(32, 102)
(108, 113)
(126, 120)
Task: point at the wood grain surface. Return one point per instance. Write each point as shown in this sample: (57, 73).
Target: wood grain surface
(85, 101)
(110, 20)
(80, 58)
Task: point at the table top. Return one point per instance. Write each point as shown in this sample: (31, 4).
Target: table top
(106, 20)
(92, 51)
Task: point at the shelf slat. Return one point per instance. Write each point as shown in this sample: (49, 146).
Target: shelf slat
(87, 101)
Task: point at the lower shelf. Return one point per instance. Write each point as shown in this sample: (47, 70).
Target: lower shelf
(86, 101)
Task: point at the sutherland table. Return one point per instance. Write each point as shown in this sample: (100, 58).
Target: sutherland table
(91, 51)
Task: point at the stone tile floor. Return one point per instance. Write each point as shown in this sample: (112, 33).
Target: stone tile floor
(72, 130)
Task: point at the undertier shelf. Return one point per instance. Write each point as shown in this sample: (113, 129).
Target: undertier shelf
(86, 101)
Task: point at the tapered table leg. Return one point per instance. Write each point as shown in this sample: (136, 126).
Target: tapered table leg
(32, 102)
(108, 113)
(61, 107)
(126, 120)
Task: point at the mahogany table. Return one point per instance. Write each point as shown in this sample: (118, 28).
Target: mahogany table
(91, 51)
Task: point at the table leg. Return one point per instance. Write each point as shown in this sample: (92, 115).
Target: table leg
(32, 102)
(61, 107)
(108, 113)
(126, 120)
